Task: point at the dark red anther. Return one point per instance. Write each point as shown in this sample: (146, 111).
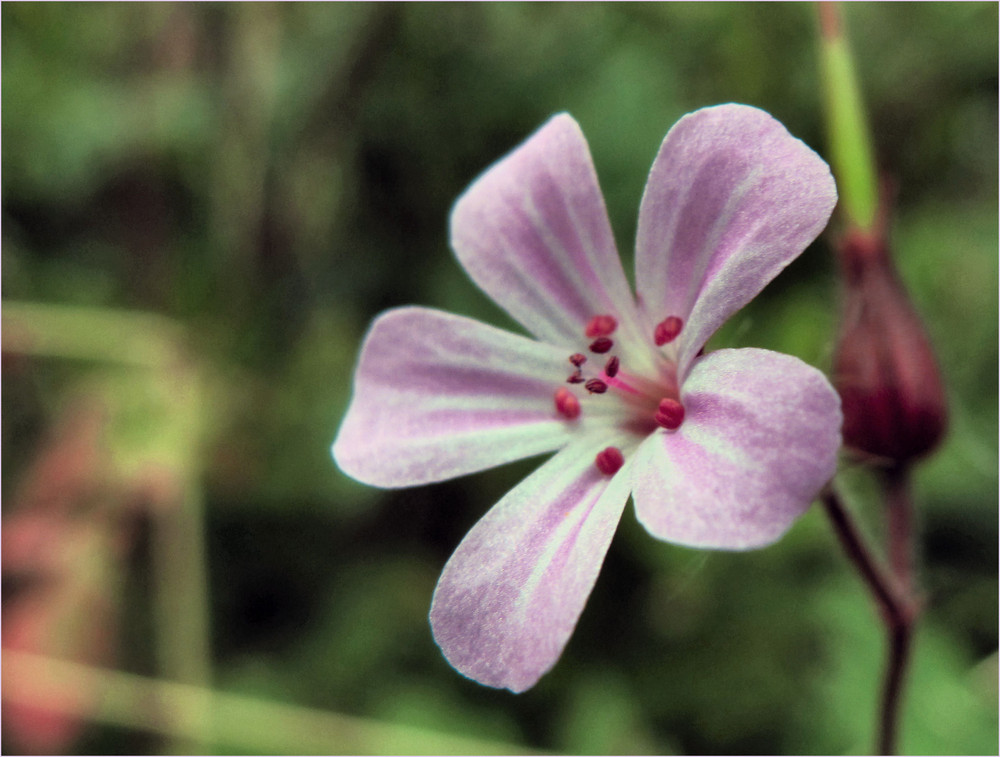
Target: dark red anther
(578, 359)
(601, 345)
(667, 330)
(609, 461)
(601, 325)
(576, 378)
(596, 386)
(567, 405)
(670, 414)
(611, 369)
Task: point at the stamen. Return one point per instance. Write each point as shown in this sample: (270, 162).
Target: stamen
(601, 345)
(611, 369)
(576, 378)
(567, 405)
(578, 359)
(667, 330)
(609, 461)
(596, 386)
(670, 414)
(601, 325)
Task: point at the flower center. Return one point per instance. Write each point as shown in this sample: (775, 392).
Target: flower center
(648, 403)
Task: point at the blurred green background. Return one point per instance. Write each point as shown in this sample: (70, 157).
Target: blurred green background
(203, 208)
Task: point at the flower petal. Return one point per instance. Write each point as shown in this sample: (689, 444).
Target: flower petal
(732, 198)
(533, 233)
(759, 440)
(438, 395)
(512, 592)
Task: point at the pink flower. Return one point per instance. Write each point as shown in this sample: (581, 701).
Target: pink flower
(721, 450)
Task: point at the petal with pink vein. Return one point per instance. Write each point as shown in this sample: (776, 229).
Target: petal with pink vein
(759, 440)
(732, 199)
(439, 395)
(511, 594)
(533, 232)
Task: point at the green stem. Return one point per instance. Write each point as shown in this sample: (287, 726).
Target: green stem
(181, 611)
(181, 603)
(851, 152)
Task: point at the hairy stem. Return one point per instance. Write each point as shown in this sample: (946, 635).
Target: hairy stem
(900, 536)
(895, 482)
(891, 592)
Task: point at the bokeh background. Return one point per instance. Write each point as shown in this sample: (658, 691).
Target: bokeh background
(204, 205)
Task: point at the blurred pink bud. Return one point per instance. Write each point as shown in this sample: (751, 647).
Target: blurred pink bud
(884, 368)
(63, 545)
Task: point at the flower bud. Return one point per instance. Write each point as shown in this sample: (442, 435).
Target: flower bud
(884, 368)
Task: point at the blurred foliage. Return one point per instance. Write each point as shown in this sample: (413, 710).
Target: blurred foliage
(271, 176)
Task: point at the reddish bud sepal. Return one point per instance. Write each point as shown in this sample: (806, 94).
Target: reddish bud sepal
(609, 461)
(884, 368)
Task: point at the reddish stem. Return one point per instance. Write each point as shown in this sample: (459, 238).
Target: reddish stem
(891, 592)
(895, 482)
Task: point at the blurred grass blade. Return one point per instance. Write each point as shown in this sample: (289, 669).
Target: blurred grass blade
(89, 333)
(235, 721)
